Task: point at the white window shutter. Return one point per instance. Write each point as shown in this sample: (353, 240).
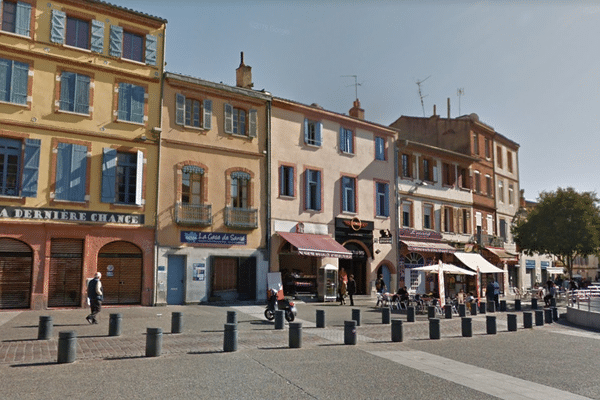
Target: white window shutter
(139, 178)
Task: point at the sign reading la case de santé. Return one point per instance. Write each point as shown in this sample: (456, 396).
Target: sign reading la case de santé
(70, 215)
(219, 238)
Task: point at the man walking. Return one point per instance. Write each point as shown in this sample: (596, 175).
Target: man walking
(94, 293)
(351, 289)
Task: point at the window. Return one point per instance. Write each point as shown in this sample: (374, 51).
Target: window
(380, 153)
(449, 174)
(406, 166)
(463, 178)
(477, 182)
(499, 156)
(312, 132)
(346, 141)
(487, 148)
(503, 229)
(488, 185)
(188, 112)
(192, 185)
(429, 171)
(18, 171)
(16, 17)
(500, 191)
(428, 216)
(78, 33)
(240, 184)
(476, 144)
(465, 220)
(406, 214)
(131, 102)
(448, 219)
(74, 92)
(14, 77)
(122, 177)
(313, 190)
(75, 32)
(71, 172)
(509, 161)
(132, 46)
(236, 124)
(348, 194)
(490, 224)
(382, 207)
(511, 194)
(286, 181)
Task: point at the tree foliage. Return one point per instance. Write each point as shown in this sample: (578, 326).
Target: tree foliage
(563, 223)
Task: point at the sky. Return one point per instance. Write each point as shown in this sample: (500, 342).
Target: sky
(528, 69)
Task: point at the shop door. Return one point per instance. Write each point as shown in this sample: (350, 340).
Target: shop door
(121, 266)
(224, 277)
(247, 279)
(357, 266)
(175, 279)
(66, 262)
(16, 264)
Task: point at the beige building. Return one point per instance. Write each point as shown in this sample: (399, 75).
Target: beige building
(332, 201)
(212, 208)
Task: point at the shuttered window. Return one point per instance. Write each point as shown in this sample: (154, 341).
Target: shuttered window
(313, 190)
(14, 77)
(71, 172)
(74, 92)
(131, 102)
(65, 280)
(122, 177)
(16, 17)
(382, 199)
(16, 265)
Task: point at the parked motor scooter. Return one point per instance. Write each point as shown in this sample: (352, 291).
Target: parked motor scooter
(273, 304)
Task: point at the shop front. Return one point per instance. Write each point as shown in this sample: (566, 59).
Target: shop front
(356, 236)
(506, 261)
(486, 271)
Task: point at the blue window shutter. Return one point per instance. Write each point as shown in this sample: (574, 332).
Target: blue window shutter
(67, 91)
(306, 130)
(109, 175)
(342, 141)
(253, 125)
(290, 182)
(137, 103)
(318, 196)
(78, 173)
(57, 31)
(82, 94)
(387, 200)
(306, 189)
(23, 19)
(228, 118)
(115, 48)
(97, 43)
(150, 49)
(207, 117)
(31, 167)
(281, 180)
(63, 171)
(20, 75)
(5, 78)
(124, 112)
(179, 108)
(318, 130)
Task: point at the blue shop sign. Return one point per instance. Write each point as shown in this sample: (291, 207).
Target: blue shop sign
(545, 264)
(529, 264)
(236, 239)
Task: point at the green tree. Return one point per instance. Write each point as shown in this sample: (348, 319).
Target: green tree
(564, 223)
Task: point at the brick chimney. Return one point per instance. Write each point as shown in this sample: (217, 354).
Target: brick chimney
(243, 75)
(356, 111)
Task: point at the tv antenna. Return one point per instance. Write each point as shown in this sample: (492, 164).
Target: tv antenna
(421, 94)
(459, 92)
(356, 84)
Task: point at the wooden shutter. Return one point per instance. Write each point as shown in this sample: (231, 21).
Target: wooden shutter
(31, 167)
(109, 175)
(318, 133)
(20, 76)
(179, 109)
(82, 94)
(207, 117)
(57, 30)
(16, 265)
(23, 19)
(97, 42)
(253, 123)
(228, 109)
(150, 50)
(306, 130)
(65, 280)
(137, 103)
(115, 48)
(139, 178)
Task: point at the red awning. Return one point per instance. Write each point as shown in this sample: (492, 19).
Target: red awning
(430, 247)
(503, 254)
(316, 245)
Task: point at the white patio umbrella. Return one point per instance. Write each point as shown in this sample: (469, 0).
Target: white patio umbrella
(447, 268)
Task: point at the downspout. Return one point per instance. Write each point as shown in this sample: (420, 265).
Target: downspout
(269, 105)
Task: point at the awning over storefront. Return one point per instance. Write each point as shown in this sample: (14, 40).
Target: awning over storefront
(430, 247)
(474, 261)
(316, 245)
(555, 270)
(503, 254)
(447, 268)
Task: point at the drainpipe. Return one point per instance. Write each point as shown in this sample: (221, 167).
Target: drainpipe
(269, 186)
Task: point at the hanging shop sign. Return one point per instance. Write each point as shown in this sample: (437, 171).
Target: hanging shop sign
(218, 238)
(70, 216)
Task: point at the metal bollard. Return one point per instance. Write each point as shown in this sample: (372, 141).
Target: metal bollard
(434, 328)
(385, 315)
(176, 322)
(539, 317)
(350, 332)
(490, 324)
(512, 322)
(473, 309)
(397, 330)
(231, 317)
(45, 327)
(320, 318)
(356, 315)
(527, 320)
(279, 319)
(534, 304)
(295, 335)
(430, 312)
(502, 305)
(230, 338)
(114, 324)
(462, 310)
(410, 314)
(153, 342)
(448, 311)
(491, 306)
(67, 347)
(517, 304)
(466, 327)
(548, 315)
(555, 313)
(482, 307)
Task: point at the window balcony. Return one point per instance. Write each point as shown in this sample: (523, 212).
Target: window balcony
(244, 218)
(193, 214)
(490, 240)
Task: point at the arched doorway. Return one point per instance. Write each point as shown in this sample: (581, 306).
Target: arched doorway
(357, 266)
(16, 265)
(121, 266)
(413, 279)
(64, 283)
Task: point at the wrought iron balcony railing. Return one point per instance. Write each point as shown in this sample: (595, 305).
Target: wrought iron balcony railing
(193, 214)
(245, 218)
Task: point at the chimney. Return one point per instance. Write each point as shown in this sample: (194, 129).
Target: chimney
(448, 107)
(434, 111)
(243, 75)
(356, 111)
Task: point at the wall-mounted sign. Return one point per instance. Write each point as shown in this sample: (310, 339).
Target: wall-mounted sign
(414, 233)
(230, 239)
(70, 216)
(199, 271)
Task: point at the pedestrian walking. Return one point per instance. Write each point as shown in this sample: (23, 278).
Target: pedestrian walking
(497, 294)
(95, 296)
(342, 292)
(351, 289)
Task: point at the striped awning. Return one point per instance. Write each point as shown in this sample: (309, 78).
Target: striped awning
(316, 245)
(428, 247)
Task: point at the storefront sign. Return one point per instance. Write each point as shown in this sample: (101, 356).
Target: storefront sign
(70, 216)
(416, 234)
(529, 264)
(238, 239)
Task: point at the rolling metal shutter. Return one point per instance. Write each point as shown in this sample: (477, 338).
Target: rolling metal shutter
(66, 264)
(16, 263)
(121, 266)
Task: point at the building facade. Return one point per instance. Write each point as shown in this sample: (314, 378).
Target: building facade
(79, 104)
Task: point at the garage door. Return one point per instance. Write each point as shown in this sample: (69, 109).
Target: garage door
(66, 262)
(16, 263)
(121, 266)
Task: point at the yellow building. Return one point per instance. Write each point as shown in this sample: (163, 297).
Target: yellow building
(80, 88)
(212, 191)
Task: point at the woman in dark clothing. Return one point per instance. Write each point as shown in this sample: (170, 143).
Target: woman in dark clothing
(351, 289)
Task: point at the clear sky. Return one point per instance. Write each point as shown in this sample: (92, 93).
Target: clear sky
(529, 69)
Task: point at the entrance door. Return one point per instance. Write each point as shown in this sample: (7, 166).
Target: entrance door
(387, 277)
(175, 279)
(356, 266)
(121, 266)
(16, 263)
(64, 283)
(247, 279)
(225, 278)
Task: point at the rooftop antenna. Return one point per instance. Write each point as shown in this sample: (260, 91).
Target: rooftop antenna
(356, 84)
(459, 92)
(421, 94)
